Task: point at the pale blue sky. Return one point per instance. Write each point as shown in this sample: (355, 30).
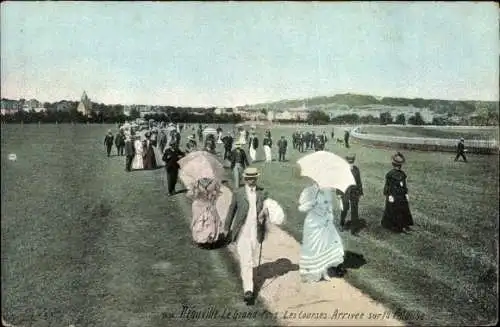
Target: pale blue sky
(228, 53)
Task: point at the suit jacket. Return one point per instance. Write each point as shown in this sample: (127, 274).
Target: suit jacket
(238, 156)
(354, 190)
(238, 211)
(129, 149)
(282, 145)
(171, 158)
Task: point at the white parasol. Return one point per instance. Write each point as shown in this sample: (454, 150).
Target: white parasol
(327, 169)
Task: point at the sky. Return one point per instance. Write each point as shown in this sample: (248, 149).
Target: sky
(229, 54)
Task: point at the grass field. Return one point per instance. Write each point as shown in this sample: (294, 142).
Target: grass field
(85, 243)
(416, 131)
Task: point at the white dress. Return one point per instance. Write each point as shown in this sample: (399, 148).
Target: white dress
(137, 163)
(243, 137)
(322, 247)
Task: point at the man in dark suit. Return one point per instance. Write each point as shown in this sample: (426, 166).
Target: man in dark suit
(129, 153)
(282, 145)
(108, 142)
(351, 198)
(346, 138)
(228, 145)
(171, 157)
(239, 162)
(245, 224)
(461, 150)
(119, 142)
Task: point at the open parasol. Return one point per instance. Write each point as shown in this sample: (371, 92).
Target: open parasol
(327, 169)
(200, 164)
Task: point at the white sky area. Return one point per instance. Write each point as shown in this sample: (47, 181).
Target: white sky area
(228, 54)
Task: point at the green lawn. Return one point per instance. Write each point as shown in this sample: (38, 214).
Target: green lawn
(85, 243)
(416, 131)
(446, 270)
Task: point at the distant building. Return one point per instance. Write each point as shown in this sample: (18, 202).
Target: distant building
(85, 105)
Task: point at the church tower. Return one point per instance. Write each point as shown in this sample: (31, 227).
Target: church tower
(85, 105)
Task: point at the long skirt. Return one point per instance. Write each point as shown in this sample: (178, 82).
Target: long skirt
(206, 223)
(267, 151)
(253, 153)
(397, 215)
(322, 247)
(137, 162)
(149, 160)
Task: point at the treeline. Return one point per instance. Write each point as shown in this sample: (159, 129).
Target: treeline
(109, 117)
(319, 118)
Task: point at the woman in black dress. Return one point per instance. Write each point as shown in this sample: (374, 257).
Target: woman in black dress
(397, 215)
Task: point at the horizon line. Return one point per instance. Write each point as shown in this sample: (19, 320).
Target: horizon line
(378, 98)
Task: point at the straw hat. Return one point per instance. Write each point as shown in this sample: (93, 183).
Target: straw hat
(398, 159)
(251, 172)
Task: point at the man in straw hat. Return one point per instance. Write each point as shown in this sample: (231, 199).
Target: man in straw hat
(461, 150)
(108, 142)
(397, 215)
(239, 162)
(350, 199)
(245, 225)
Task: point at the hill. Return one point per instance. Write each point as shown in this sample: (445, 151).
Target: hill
(450, 107)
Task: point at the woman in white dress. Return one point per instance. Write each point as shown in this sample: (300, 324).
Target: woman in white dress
(322, 247)
(137, 162)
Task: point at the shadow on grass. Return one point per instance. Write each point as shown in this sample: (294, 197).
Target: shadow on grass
(270, 270)
(353, 260)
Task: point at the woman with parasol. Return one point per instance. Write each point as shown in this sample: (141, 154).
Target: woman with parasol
(397, 215)
(206, 226)
(322, 249)
(202, 173)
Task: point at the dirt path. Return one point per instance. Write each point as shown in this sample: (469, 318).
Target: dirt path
(327, 303)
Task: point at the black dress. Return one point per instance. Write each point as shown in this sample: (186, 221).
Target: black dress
(397, 215)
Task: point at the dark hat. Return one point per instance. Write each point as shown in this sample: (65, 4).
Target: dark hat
(398, 159)
(350, 158)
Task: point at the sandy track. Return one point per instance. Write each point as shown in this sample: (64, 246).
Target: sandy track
(326, 303)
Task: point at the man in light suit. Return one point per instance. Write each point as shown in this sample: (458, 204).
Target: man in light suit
(245, 224)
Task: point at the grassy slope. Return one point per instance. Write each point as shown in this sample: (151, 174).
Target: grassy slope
(447, 269)
(85, 243)
(411, 131)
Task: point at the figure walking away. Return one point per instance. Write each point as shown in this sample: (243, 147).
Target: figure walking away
(322, 251)
(397, 215)
(461, 150)
(108, 142)
(245, 225)
(171, 157)
(239, 162)
(282, 145)
(350, 199)
(129, 153)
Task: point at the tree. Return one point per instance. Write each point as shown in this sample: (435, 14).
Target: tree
(264, 111)
(400, 119)
(134, 113)
(317, 117)
(385, 118)
(416, 119)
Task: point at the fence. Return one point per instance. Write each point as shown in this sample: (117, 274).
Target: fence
(425, 143)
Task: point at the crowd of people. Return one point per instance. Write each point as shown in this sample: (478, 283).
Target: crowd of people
(243, 222)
